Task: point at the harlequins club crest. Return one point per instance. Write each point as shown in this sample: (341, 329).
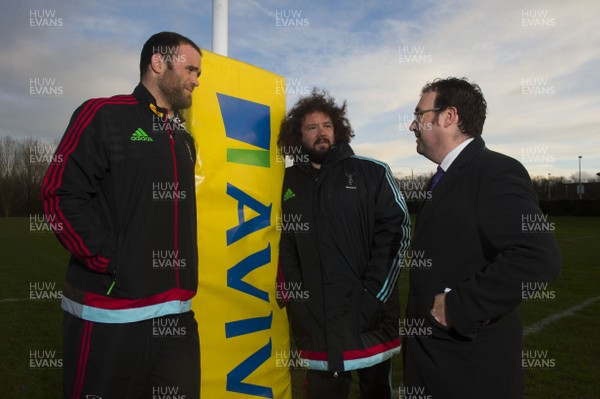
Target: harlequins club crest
(350, 183)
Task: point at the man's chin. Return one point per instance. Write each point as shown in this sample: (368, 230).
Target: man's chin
(183, 103)
(318, 156)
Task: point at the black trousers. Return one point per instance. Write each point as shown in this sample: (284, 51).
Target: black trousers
(374, 383)
(148, 359)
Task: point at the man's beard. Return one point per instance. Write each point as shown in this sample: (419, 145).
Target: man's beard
(318, 156)
(172, 91)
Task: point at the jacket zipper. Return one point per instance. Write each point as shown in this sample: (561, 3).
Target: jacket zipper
(175, 206)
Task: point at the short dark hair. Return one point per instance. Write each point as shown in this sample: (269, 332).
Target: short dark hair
(466, 97)
(290, 134)
(163, 43)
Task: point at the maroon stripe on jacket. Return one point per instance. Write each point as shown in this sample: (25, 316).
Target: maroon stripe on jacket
(354, 354)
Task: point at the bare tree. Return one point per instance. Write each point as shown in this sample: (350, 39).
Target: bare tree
(23, 164)
(8, 188)
(33, 158)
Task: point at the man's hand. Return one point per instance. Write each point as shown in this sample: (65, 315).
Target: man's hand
(439, 309)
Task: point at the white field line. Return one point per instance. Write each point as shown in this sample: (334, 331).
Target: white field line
(537, 327)
(13, 300)
(6, 300)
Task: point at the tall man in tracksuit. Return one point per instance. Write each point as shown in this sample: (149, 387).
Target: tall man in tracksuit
(124, 196)
(345, 228)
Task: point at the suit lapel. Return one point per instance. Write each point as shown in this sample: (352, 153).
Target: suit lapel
(449, 179)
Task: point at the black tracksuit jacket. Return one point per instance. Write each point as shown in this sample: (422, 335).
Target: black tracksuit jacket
(344, 230)
(122, 197)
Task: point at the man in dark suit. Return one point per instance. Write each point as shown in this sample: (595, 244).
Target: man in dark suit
(482, 252)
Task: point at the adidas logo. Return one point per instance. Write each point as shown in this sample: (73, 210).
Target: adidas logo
(289, 194)
(140, 135)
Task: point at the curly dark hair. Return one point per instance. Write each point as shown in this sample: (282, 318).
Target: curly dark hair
(466, 97)
(290, 134)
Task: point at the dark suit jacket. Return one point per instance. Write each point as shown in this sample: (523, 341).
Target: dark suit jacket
(475, 233)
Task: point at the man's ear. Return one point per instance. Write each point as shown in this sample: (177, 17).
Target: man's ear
(450, 116)
(157, 63)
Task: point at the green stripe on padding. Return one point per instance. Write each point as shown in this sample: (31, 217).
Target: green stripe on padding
(249, 157)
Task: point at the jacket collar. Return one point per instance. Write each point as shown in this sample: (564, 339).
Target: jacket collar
(338, 152)
(145, 97)
(335, 154)
(467, 154)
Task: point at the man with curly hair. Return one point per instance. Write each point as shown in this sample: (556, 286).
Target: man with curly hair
(345, 228)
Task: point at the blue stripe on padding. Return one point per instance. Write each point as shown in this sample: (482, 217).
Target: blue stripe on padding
(124, 315)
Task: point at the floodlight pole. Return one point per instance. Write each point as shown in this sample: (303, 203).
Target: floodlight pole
(219, 26)
(579, 188)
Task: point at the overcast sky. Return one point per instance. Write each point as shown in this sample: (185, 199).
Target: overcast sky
(537, 63)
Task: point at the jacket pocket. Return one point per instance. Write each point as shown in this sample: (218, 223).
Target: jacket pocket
(113, 265)
(370, 312)
(301, 319)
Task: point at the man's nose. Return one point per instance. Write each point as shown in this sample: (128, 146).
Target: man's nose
(413, 126)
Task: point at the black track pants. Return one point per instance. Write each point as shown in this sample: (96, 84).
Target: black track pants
(374, 383)
(148, 359)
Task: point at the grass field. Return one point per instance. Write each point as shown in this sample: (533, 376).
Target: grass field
(565, 352)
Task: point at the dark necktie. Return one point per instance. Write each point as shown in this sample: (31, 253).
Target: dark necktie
(436, 178)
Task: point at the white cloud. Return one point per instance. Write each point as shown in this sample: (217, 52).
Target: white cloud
(352, 51)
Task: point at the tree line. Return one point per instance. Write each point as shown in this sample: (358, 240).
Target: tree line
(23, 164)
